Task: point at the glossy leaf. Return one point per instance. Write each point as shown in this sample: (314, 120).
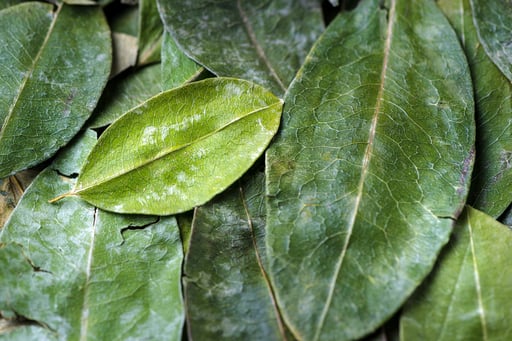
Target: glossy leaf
(177, 68)
(227, 292)
(493, 21)
(265, 43)
(180, 148)
(491, 186)
(466, 296)
(370, 167)
(51, 80)
(150, 33)
(80, 273)
(125, 92)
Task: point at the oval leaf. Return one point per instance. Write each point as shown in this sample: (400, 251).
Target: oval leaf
(180, 148)
(262, 43)
(227, 292)
(492, 177)
(55, 77)
(84, 274)
(466, 296)
(493, 21)
(370, 168)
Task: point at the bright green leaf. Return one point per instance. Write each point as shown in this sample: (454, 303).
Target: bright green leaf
(466, 297)
(370, 168)
(125, 92)
(150, 33)
(80, 273)
(227, 292)
(177, 68)
(262, 42)
(491, 186)
(180, 148)
(51, 78)
(493, 21)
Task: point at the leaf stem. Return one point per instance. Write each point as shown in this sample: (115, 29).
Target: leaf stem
(62, 196)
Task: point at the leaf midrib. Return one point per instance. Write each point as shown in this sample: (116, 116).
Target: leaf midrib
(364, 169)
(280, 323)
(84, 318)
(481, 310)
(30, 73)
(259, 50)
(173, 149)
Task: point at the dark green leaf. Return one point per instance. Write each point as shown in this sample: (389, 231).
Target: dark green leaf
(370, 168)
(125, 92)
(177, 68)
(466, 298)
(262, 42)
(9, 3)
(81, 273)
(150, 32)
(227, 292)
(492, 178)
(180, 148)
(51, 78)
(493, 21)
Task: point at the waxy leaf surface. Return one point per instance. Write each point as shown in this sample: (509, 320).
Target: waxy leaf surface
(51, 78)
(466, 297)
(491, 188)
(227, 293)
(262, 42)
(180, 148)
(370, 167)
(493, 21)
(81, 273)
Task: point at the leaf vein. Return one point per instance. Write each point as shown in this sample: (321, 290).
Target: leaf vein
(364, 169)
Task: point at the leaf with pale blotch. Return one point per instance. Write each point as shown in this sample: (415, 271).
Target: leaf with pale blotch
(466, 297)
(51, 78)
(177, 68)
(125, 92)
(150, 33)
(227, 293)
(262, 42)
(492, 177)
(75, 272)
(370, 168)
(180, 148)
(493, 22)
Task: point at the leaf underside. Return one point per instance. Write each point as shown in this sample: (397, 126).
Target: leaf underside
(370, 168)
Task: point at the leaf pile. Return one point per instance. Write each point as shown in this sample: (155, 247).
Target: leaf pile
(247, 170)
